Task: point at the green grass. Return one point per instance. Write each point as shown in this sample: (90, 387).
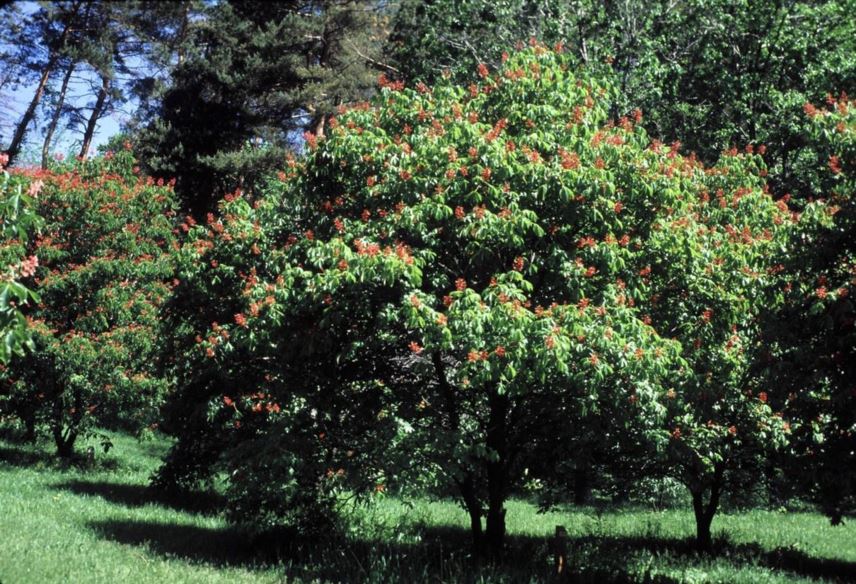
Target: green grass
(61, 523)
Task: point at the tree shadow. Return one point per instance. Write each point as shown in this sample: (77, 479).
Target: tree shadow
(134, 495)
(216, 546)
(783, 559)
(441, 554)
(23, 456)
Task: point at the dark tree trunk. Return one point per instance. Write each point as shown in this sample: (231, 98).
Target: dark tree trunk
(704, 512)
(30, 428)
(96, 114)
(582, 482)
(56, 115)
(65, 434)
(473, 505)
(64, 441)
(497, 474)
(21, 129)
(29, 114)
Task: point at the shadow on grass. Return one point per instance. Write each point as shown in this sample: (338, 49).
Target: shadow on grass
(442, 554)
(26, 454)
(785, 559)
(131, 495)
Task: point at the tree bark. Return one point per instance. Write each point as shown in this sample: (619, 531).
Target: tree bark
(96, 114)
(704, 512)
(64, 442)
(56, 115)
(30, 428)
(497, 471)
(582, 481)
(29, 114)
(473, 505)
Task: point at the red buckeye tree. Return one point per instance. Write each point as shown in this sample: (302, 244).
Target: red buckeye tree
(487, 271)
(103, 271)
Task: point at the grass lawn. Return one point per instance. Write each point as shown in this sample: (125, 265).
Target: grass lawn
(68, 524)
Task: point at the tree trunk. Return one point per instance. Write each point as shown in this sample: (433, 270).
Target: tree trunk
(30, 428)
(471, 502)
(497, 470)
(56, 115)
(704, 512)
(64, 441)
(96, 114)
(582, 481)
(21, 130)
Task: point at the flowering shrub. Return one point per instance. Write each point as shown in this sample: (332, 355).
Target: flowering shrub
(462, 281)
(103, 270)
(813, 350)
(17, 220)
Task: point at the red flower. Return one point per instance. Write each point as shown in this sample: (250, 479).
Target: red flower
(618, 206)
(732, 430)
(459, 212)
(518, 264)
(460, 284)
(473, 356)
(240, 319)
(228, 401)
(500, 351)
(415, 347)
(482, 69)
(762, 397)
(835, 164)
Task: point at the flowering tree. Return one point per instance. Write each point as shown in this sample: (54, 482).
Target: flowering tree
(717, 271)
(813, 348)
(103, 270)
(477, 275)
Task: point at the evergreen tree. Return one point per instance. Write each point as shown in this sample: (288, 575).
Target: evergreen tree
(251, 77)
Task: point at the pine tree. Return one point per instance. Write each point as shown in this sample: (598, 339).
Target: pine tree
(251, 77)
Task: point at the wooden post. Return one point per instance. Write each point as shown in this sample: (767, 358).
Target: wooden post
(559, 545)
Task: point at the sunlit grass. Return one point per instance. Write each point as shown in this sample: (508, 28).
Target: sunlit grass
(100, 524)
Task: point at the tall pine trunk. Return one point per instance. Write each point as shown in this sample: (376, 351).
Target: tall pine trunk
(21, 130)
(56, 115)
(96, 114)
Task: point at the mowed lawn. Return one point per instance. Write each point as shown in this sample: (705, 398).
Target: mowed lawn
(100, 524)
